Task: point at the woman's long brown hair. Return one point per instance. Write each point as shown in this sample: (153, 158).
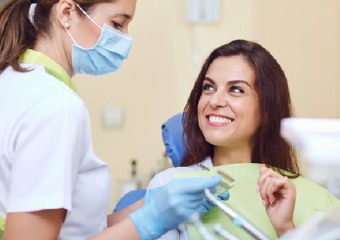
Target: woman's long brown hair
(275, 104)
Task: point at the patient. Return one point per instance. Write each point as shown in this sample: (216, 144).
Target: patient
(232, 120)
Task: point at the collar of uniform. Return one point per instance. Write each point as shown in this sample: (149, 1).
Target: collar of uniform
(34, 57)
(2, 226)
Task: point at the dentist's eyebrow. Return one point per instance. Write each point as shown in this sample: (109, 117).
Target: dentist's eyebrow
(126, 16)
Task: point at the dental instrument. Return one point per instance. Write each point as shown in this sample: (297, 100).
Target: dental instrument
(223, 233)
(237, 219)
(227, 180)
(196, 221)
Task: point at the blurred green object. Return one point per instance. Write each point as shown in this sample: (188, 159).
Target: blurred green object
(311, 198)
(2, 225)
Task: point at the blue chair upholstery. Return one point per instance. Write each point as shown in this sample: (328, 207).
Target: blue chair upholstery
(129, 198)
(172, 131)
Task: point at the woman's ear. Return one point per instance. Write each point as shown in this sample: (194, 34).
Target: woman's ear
(65, 11)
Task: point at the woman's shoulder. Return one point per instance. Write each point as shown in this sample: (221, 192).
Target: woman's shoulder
(308, 189)
(166, 175)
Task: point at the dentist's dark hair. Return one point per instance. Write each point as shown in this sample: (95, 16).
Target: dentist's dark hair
(274, 100)
(17, 31)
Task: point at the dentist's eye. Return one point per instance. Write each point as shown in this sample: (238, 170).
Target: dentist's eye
(117, 25)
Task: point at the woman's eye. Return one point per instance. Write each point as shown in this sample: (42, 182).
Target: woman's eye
(207, 87)
(236, 89)
(117, 25)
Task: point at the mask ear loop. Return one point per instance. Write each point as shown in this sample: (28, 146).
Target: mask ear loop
(66, 26)
(88, 16)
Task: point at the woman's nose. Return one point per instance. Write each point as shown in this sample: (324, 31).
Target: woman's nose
(219, 99)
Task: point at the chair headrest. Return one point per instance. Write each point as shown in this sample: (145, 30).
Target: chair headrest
(172, 131)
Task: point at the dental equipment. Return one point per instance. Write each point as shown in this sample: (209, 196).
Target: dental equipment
(237, 219)
(196, 221)
(223, 233)
(204, 167)
(227, 181)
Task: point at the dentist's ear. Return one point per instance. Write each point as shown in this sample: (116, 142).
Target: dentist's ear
(65, 12)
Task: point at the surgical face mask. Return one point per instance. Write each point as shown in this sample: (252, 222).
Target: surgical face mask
(106, 56)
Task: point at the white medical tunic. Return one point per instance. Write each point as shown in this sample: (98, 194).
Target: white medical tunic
(46, 154)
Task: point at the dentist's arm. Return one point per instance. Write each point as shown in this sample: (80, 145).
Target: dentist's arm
(45, 224)
(164, 209)
(120, 215)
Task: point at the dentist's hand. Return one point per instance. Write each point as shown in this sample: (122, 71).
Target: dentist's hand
(207, 205)
(168, 206)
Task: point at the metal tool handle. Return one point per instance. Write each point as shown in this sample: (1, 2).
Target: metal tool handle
(223, 233)
(237, 219)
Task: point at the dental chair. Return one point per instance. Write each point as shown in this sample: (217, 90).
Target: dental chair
(172, 131)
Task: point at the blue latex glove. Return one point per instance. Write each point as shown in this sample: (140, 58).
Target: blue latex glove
(207, 205)
(170, 205)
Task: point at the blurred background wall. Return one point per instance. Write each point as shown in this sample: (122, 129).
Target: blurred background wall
(168, 51)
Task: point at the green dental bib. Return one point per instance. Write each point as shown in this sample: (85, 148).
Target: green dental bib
(311, 198)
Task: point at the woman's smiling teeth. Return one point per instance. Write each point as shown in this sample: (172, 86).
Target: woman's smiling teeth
(215, 119)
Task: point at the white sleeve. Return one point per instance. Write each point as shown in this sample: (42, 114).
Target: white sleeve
(47, 152)
(161, 178)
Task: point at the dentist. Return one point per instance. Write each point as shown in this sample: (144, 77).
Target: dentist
(52, 185)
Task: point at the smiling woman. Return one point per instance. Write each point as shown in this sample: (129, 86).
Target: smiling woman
(249, 87)
(232, 122)
(228, 109)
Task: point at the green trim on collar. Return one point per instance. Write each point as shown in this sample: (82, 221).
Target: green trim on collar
(2, 224)
(34, 57)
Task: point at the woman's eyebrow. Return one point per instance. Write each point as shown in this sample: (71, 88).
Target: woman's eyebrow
(208, 79)
(238, 81)
(231, 82)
